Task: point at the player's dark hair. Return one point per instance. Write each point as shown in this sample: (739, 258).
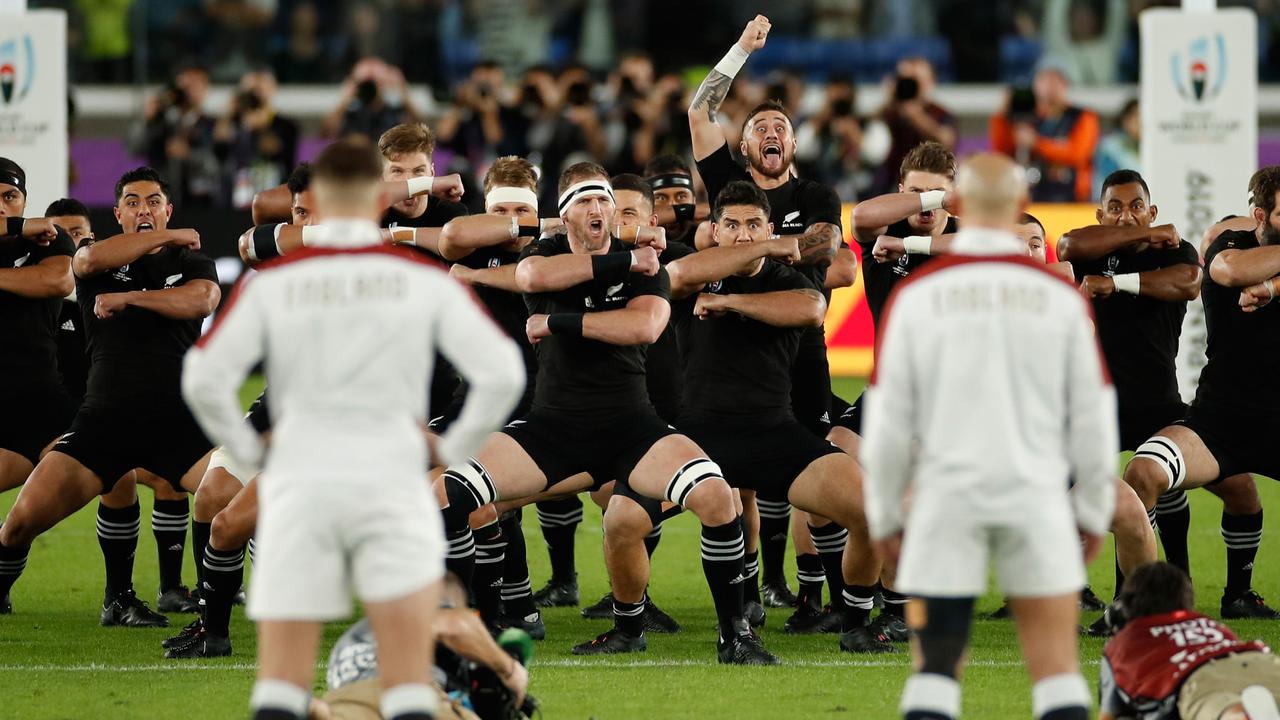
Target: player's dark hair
(141, 174)
(407, 138)
(347, 161)
(1124, 177)
(1028, 218)
(1156, 588)
(578, 172)
(667, 164)
(511, 171)
(1264, 185)
(931, 157)
(766, 106)
(67, 207)
(299, 179)
(635, 183)
(740, 192)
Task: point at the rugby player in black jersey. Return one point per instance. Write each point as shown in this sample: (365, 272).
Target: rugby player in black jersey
(1228, 430)
(35, 274)
(631, 534)
(673, 199)
(799, 207)
(1140, 276)
(144, 294)
(594, 306)
(73, 358)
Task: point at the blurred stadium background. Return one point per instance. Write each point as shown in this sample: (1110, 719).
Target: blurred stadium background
(225, 96)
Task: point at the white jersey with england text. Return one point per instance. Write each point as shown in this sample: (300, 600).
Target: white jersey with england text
(989, 394)
(348, 328)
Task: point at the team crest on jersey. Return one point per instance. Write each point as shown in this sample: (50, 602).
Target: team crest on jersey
(172, 280)
(494, 262)
(122, 273)
(588, 302)
(715, 286)
(22, 260)
(903, 268)
(1113, 263)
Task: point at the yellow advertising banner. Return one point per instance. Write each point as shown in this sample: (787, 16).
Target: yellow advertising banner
(850, 336)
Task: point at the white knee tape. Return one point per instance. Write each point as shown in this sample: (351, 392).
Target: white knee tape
(477, 480)
(688, 477)
(1167, 455)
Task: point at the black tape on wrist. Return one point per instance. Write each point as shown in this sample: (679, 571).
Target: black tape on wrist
(612, 268)
(532, 231)
(670, 180)
(684, 212)
(565, 324)
(264, 242)
(13, 226)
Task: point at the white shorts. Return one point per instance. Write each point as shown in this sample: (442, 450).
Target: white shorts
(944, 554)
(318, 540)
(222, 459)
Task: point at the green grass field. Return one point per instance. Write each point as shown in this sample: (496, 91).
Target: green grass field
(56, 662)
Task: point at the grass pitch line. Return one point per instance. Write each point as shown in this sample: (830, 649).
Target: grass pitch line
(554, 663)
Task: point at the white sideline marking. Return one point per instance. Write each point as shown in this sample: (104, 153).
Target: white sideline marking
(558, 663)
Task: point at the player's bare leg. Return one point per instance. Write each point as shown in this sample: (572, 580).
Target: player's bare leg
(406, 648)
(286, 668)
(14, 469)
(1047, 632)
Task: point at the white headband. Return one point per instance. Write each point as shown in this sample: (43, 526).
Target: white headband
(594, 187)
(509, 194)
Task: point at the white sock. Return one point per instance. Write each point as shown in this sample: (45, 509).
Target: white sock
(408, 698)
(280, 695)
(929, 692)
(1059, 691)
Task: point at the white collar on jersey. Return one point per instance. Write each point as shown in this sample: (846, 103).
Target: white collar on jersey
(343, 233)
(987, 241)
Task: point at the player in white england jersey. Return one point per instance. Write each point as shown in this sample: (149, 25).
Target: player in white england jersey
(348, 330)
(989, 395)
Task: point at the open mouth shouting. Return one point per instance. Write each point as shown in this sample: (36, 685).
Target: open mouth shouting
(771, 155)
(145, 226)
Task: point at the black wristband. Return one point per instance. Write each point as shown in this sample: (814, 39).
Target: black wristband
(612, 268)
(14, 226)
(532, 231)
(565, 324)
(684, 212)
(264, 242)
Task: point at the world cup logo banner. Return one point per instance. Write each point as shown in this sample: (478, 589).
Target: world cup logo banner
(17, 69)
(1200, 70)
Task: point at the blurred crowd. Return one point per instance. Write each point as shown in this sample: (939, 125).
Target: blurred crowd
(437, 41)
(623, 119)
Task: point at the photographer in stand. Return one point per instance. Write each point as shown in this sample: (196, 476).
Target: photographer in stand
(912, 117)
(1052, 138)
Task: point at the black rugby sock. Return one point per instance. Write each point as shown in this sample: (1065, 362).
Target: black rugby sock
(651, 541)
(751, 575)
(517, 593)
(486, 582)
(13, 560)
(895, 603)
(169, 526)
(811, 577)
(118, 538)
(223, 573)
(560, 520)
(1243, 535)
(775, 522)
(829, 541)
(460, 555)
(629, 617)
(1173, 518)
(722, 562)
(200, 532)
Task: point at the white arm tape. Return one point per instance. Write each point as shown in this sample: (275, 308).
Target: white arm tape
(732, 61)
(309, 234)
(932, 200)
(419, 185)
(1127, 283)
(917, 244)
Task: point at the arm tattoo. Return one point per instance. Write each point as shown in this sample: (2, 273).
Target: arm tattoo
(711, 93)
(818, 244)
